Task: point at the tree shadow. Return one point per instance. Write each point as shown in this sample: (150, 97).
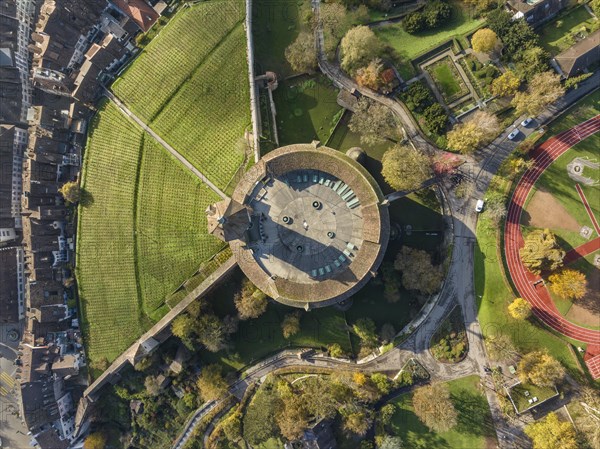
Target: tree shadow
(473, 414)
(86, 199)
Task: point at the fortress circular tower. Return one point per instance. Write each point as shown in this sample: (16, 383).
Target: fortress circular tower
(306, 224)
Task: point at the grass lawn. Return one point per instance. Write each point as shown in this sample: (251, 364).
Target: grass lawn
(475, 428)
(141, 236)
(408, 46)
(170, 225)
(276, 25)
(307, 109)
(110, 303)
(521, 401)
(558, 35)
(448, 80)
(190, 85)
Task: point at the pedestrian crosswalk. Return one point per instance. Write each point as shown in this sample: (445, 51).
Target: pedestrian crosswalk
(7, 383)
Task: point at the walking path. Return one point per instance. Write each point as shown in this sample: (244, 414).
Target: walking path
(160, 140)
(582, 251)
(333, 71)
(588, 209)
(527, 283)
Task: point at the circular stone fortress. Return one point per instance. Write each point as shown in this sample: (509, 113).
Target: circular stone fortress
(307, 225)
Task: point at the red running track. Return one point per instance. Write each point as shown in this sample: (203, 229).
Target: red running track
(538, 296)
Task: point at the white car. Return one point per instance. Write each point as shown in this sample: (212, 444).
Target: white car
(513, 134)
(479, 206)
(527, 121)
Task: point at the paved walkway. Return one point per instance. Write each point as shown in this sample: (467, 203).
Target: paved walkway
(160, 140)
(582, 251)
(588, 209)
(527, 283)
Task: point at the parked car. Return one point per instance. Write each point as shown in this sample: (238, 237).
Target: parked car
(513, 134)
(527, 121)
(479, 206)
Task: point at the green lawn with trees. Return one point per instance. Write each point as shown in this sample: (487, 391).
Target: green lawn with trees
(474, 426)
(494, 295)
(190, 85)
(560, 34)
(140, 232)
(409, 46)
(306, 109)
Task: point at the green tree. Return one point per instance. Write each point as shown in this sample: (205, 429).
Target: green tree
(543, 90)
(358, 47)
(358, 422)
(302, 53)
(96, 440)
(364, 328)
(292, 418)
(232, 427)
(436, 118)
(183, 327)
(370, 76)
(335, 350)
(506, 85)
(541, 251)
(481, 128)
(374, 122)
(71, 192)
(569, 284)
(413, 22)
(151, 385)
(387, 413)
(418, 273)
(434, 408)
(211, 383)
(500, 347)
(541, 369)
(550, 433)
(532, 62)
(405, 168)
(595, 5)
(250, 302)
(382, 382)
(211, 333)
(484, 40)
(519, 309)
(390, 442)
(290, 325)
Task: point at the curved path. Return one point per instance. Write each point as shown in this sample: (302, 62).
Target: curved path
(537, 294)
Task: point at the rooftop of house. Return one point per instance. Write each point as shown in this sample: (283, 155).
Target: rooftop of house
(580, 55)
(139, 11)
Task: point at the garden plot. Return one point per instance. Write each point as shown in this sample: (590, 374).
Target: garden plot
(447, 79)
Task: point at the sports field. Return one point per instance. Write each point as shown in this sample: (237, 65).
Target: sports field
(190, 85)
(140, 237)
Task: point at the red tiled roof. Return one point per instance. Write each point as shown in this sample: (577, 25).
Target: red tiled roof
(138, 11)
